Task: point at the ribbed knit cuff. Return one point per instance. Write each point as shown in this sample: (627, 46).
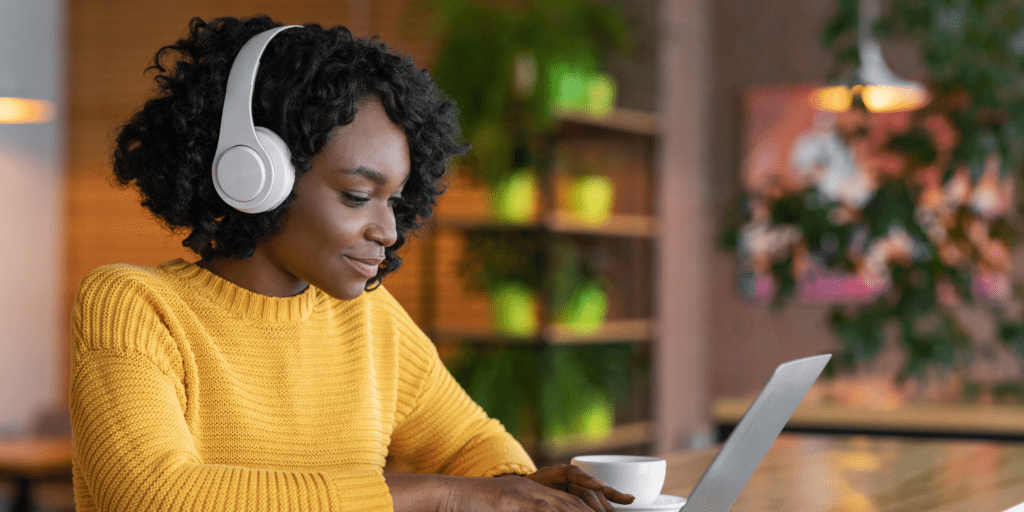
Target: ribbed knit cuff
(509, 469)
(361, 491)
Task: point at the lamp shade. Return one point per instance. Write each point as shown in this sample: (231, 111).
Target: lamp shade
(877, 86)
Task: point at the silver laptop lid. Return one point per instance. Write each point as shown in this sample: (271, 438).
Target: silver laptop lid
(722, 482)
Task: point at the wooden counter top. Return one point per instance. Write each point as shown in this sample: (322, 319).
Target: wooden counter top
(35, 457)
(870, 474)
(990, 421)
(27, 461)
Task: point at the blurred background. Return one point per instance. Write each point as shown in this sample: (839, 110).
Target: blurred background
(664, 201)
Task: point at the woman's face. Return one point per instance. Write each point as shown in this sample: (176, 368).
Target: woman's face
(334, 234)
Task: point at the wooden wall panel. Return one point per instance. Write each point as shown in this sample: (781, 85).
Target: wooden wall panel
(405, 283)
(460, 307)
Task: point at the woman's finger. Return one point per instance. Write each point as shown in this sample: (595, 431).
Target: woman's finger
(553, 476)
(575, 475)
(571, 502)
(593, 499)
(604, 501)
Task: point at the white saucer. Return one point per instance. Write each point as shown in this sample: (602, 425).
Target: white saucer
(663, 503)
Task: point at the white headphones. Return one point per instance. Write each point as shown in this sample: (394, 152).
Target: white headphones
(252, 169)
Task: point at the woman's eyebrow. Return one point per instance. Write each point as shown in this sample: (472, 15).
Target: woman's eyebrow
(371, 174)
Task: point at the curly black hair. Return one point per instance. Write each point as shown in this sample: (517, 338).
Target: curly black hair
(309, 82)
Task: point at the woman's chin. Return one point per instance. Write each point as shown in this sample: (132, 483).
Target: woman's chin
(347, 291)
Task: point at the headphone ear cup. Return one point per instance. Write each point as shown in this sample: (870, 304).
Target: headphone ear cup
(281, 177)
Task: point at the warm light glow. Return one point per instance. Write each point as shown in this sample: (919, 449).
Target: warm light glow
(21, 110)
(833, 99)
(860, 461)
(876, 98)
(856, 501)
(893, 98)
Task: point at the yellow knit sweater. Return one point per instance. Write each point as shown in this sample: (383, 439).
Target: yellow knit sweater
(191, 393)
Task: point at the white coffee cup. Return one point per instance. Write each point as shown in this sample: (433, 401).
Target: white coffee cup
(640, 476)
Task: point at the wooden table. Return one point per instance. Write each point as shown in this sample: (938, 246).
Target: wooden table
(984, 422)
(27, 461)
(817, 473)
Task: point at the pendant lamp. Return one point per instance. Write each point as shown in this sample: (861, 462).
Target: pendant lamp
(878, 87)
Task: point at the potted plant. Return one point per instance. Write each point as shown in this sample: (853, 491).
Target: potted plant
(509, 67)
(555, 393)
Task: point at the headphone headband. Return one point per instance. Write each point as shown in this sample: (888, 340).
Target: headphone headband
(236, 125)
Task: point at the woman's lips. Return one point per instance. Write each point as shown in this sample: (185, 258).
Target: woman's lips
(366, 267)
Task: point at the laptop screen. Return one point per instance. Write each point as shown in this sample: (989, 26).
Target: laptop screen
(732, 467)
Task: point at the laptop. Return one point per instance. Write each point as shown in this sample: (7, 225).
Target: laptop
(729, 472)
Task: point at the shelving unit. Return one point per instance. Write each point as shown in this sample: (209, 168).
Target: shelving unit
(619, 120)
(558, 334)
(560, 221)
(454, 312)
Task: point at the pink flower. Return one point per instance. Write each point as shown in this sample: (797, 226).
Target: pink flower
(931, 198)
(944, 136)
(987, 198)
(842, 214)
(887, 164)
(996, 254)
(977, 231)
(991, 285)
(958, 188)
(946, 294)
(952, 254)
(882, 125)
(930, 177)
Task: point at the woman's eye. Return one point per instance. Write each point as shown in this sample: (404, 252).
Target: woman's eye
(354, 199)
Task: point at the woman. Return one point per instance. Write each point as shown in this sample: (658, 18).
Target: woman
(276, 373)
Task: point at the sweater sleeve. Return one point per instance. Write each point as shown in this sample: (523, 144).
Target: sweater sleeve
(132, 446)
(439, 429)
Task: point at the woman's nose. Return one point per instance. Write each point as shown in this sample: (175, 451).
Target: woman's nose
(383, 229)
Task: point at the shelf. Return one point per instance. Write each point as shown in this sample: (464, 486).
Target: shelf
(559, 334)
(619, 119)
(622, 436)
(618, 225)
(474, 220)
(637, 226)
(611, 331)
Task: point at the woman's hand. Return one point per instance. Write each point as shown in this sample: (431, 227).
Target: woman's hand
(573, 480)
(555, 489)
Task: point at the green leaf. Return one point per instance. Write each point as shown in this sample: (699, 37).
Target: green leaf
(785, 282)
(916, 145)
(861, 333)
(892, 205)
(841, 24)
